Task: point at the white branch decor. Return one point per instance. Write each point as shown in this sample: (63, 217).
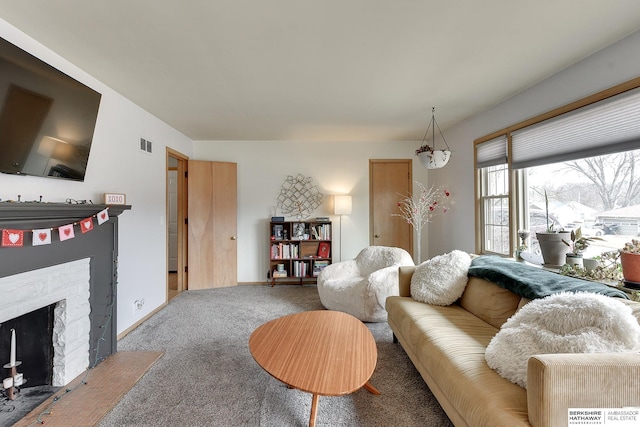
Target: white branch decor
(298, 197)
(418, 209)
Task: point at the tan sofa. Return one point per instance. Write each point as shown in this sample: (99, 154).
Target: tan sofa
(447, 346)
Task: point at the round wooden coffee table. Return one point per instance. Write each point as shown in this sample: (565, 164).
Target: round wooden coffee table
(322, 352)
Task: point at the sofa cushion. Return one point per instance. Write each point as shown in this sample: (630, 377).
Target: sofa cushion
(441, 279)
(489, 301)
(562, 323)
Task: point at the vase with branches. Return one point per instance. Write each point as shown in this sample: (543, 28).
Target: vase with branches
(418, 209)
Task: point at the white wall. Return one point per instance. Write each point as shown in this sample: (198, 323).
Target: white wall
(615, 64)
(115, 165)
(337, 168)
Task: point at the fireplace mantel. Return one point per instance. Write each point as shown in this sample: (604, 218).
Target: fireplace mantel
(99, 244)
(21, 212)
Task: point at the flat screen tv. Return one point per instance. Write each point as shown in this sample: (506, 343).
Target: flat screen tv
(47, 118)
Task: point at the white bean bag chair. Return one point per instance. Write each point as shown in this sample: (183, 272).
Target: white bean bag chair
(360, 286)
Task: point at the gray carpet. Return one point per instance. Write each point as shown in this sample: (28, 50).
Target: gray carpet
(207, 376)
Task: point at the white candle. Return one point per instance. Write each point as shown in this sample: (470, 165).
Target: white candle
(12, 358)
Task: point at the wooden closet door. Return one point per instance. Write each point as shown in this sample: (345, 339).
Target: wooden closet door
(390, 182)
(212, 225)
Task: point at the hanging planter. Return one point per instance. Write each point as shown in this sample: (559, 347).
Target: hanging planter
(429, 156)
(434, 159)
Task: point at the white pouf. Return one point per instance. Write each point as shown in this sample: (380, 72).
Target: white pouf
(360, 287)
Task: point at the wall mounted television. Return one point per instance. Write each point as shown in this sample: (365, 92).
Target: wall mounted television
(47, 118)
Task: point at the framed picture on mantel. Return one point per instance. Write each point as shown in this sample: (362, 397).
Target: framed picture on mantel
(115, 199)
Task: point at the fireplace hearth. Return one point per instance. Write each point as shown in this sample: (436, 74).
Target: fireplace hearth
(12, 411)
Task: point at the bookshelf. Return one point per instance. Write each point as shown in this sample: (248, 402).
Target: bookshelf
(298, 250)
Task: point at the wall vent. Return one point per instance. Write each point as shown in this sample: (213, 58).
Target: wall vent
(146, 145)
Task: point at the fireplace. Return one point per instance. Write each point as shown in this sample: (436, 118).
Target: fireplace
(66, 287)
(34, 332)
(77, 276)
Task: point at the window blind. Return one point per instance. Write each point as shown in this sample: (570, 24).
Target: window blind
(492, 152)
(608, 126)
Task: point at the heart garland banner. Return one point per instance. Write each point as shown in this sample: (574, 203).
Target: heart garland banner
(42, 236)
(12, 238)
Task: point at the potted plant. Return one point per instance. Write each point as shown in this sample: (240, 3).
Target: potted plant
(553, 248)
(630, 261)
(578, 245)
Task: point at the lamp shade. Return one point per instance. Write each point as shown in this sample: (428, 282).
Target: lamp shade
(342, 205)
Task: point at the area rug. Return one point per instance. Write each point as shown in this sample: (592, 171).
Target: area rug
(207, 376)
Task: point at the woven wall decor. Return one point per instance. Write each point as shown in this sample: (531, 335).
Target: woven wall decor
(299, 197)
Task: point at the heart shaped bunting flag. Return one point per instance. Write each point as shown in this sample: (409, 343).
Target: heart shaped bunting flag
(103, 216)
(12, 238)
(41, 237)
(86, 225)
(66, 232)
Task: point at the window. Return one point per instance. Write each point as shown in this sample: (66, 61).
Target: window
(585, 156)
(495, 209)
(493, 178)
(600, 195)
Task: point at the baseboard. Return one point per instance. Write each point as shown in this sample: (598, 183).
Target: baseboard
(140, 322)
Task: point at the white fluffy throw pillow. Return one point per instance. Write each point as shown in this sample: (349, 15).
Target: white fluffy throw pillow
(562, 323)
(442, 279)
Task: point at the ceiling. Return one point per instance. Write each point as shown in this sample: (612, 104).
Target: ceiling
(322, 70)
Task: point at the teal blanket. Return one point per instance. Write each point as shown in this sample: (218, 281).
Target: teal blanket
(533, 282)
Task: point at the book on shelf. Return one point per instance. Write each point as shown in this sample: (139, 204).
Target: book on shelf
(300, 269)
(324, 249)
(279, 274)
(318, 266)
(285, 251)
(321, 232)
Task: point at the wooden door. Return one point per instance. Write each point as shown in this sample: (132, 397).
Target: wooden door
(390, 181)
(212, 224)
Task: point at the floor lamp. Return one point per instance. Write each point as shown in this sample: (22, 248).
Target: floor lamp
(341, 206)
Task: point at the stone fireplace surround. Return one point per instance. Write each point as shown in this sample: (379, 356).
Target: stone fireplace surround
(67, 286)
(80, 275)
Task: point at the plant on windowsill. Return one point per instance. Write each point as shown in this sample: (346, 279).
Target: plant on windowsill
(551, 242)
(608, 269)
(578, 245)
(630, 262)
